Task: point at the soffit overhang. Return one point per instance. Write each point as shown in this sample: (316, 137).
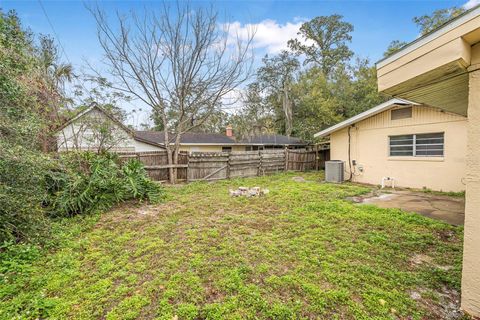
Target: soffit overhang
(434, 70)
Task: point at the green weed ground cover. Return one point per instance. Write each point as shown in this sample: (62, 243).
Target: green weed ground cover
(299, 252)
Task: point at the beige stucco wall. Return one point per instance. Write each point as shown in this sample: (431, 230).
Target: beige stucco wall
(144, 147)
(369, 147)
(470, 82)
(471, 246)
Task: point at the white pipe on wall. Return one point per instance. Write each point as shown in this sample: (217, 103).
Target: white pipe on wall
(388, 179)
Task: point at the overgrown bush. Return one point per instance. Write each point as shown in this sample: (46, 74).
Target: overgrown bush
(22, 191)
(34, 186)
(89, 182)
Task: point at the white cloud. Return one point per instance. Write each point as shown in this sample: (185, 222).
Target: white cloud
(269, 34)
(232, 101)
(470, 4)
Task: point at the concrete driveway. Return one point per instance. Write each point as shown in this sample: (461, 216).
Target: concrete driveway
(445, 208)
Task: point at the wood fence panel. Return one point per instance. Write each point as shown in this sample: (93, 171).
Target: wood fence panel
(244, 164)
(300, 160)
(207, 166)
(156, 163)
(222, 165)
(323, 155)
(273, 161)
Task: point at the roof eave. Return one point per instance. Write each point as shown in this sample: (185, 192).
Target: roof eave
(448, 26)
(366, 114)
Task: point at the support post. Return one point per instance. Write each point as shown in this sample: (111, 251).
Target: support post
(259, 169)
(286, 159)
(471, 247)
(228, 167)
(188, 166)
(317, 160)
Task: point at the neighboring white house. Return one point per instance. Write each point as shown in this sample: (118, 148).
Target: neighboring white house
(94, 129)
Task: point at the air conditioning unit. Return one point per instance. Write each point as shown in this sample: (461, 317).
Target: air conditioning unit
(334, 171)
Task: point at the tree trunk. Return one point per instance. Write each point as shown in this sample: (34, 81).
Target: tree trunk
(171, 173)
(175, 161)
(287, 109)
(168, 148)
(176, 150)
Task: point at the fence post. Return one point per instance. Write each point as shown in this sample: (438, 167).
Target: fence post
(259, 168)
(286, 159)
(228, 166)
(188, 166)
(317, 160)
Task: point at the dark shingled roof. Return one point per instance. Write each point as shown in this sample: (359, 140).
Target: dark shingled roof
(187, 138)
(274, 139)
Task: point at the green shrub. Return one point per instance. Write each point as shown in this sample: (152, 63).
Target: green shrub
(34, 186)
(22, 191)
(90, 183)
(137, 183)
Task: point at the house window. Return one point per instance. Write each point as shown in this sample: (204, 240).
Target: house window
(226, 149)
(417, 145)
(403, 113)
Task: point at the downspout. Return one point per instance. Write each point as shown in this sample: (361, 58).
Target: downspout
(350, 153)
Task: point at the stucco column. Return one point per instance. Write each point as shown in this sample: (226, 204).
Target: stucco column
(471, 250)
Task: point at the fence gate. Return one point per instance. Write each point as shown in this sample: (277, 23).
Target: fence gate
(208, 166)
(244, 164)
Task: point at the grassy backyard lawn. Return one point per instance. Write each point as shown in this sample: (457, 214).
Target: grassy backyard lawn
(302, 251)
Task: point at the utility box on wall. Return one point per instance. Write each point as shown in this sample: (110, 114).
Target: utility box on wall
(334, 171)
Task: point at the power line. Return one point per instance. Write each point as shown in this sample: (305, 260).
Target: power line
(54, 32)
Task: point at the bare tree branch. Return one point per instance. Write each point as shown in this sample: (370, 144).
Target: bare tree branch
(179, 61)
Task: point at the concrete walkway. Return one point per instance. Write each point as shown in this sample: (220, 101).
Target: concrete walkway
(448, 209)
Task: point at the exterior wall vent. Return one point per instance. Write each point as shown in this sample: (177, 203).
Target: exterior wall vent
(402, 113)
(334, 171)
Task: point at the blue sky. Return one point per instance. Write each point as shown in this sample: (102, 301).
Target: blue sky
(376, 23)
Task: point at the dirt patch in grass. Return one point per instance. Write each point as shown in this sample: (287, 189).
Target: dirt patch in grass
(299, 252)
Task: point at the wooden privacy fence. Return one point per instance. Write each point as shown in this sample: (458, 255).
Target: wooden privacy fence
(156, 163)
(225, 165)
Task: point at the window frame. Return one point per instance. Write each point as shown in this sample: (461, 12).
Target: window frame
(414, 145)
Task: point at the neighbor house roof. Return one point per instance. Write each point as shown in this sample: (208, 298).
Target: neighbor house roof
(157, 138)
(273, 139)
(187, 138)
(366, 114)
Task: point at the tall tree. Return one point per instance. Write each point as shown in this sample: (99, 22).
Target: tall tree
(179, 61)
(364, 91)
(428, 23)
(323, 40)
(55, 75)
(24, 96)
(256, 115)
(393, 47)
(96, 90)
(276, 75)
(315, 105)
